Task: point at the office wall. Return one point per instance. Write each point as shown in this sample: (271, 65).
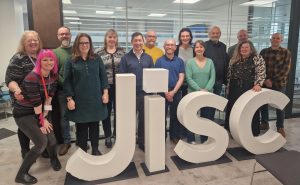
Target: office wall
(12, 26)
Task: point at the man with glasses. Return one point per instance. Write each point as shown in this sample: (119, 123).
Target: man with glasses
(63, 53)
(175, 66)
(150, 47)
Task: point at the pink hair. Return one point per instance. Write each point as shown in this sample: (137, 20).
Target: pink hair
(42, 54)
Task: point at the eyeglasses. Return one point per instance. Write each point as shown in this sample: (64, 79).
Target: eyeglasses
(84, 43)
(62, 34)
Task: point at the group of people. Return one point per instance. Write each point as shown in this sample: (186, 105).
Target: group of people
(83, 81)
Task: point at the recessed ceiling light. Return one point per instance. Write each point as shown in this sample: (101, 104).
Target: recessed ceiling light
(186, 1)
(66, 2)
(104, 12)
(75, 22)
(157, 14)
(72, 18)
(69, 12)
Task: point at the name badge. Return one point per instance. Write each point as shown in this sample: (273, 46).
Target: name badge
(48, 107)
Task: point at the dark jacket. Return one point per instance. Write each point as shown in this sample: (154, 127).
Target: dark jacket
(217, 52)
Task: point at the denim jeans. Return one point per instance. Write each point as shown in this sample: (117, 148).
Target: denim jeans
(280, 114)
(176, 129)
(64, 123)
(217, 91)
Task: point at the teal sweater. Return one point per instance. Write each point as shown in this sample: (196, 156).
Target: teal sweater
(200, 78)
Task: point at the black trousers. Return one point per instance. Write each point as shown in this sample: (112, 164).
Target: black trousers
(86, 130)
(141, 120)
(236, 89)
(111, 105)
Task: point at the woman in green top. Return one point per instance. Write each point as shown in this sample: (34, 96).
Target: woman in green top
(85, 87)
(200, 76)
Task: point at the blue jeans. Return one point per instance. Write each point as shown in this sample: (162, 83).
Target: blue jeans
(205, 112)
(217, 91)
(64, 123)
(280, 114)
(176, 129)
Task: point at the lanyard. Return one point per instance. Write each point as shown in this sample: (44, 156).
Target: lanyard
(31, 60)
(44, 86)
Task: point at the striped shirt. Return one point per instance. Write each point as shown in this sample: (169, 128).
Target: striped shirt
(34, 94)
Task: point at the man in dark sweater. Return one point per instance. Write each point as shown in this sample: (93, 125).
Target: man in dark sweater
(134, 62)
(216, 51)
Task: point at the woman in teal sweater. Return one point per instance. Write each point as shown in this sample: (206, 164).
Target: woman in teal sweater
(200, 76)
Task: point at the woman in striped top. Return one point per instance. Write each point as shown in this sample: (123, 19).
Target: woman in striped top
(31, 113)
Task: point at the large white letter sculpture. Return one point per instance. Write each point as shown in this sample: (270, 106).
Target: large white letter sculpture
(155, 80)
(241, 117)
(87, 167)
(218, 140)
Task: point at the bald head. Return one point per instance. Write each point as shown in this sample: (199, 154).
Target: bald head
(214, 34)
(150, 38)
(242, 35)
(170, 47)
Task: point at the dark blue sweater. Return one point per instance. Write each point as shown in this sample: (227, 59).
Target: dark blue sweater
(131, 64)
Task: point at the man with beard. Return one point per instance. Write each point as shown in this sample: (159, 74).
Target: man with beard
(63, 53)
(150, 47)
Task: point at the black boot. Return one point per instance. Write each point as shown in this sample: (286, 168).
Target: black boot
(22, 175)
(95, 151)
(53, 158)
(108, 142)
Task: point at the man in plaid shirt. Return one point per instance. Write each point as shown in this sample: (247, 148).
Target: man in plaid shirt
(278, 63)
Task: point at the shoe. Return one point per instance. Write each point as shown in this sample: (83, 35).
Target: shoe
(264, 126)
(108, 142)
(192, 143)
(45, 154)
(25, 179)
(64, 149)
(142, 147)
(96, 152)
(55, 164)
(281, 131)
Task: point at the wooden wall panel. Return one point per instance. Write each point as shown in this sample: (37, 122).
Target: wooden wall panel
(45, 17)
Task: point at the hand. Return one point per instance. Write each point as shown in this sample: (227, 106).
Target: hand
(71, 104)
(47, 128)
(18, 94)
(105, 98)
(268, 83)
(168, 97)
(256, 88)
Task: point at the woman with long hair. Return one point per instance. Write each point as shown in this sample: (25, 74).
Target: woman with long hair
(86, 89)
(246, 71)
(111, 55)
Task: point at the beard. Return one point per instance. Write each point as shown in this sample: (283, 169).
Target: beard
(65, 43)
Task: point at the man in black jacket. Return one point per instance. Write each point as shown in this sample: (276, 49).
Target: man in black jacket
(216, 51)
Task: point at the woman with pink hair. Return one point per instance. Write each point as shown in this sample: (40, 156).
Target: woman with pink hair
(32, 113)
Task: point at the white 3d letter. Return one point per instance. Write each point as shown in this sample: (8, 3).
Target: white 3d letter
(241, 118)
(218, 140)
(154, 81)
(87, 167)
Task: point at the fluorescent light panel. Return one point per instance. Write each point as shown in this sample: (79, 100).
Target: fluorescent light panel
(66, 2)
(105, 12)
(72, 18)
(69, 12)
(157, 14)
(259, 3)
(75, 22)
(186, 1)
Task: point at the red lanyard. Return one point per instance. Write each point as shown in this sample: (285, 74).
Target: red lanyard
(44, 85)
